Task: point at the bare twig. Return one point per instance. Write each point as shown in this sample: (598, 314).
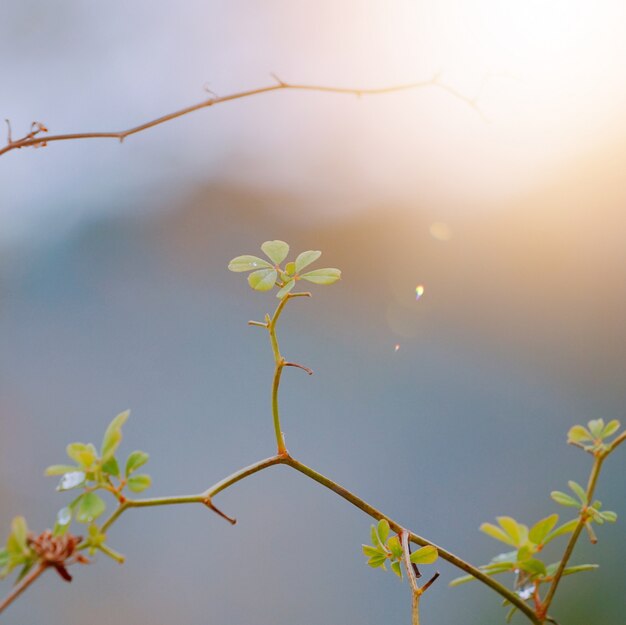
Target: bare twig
(32, 139)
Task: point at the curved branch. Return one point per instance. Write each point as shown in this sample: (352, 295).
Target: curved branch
(35, 139)
(22, 586)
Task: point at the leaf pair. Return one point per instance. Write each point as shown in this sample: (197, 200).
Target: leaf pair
(265, 275)
(592, 438)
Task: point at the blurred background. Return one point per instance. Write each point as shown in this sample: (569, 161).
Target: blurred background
(444, 411)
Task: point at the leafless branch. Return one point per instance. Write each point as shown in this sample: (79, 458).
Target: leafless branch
(34, 138)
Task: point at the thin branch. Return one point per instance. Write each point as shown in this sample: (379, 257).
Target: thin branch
(34, 139)
(22, 586)
(295, 364)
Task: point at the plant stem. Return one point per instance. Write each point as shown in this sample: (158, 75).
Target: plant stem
(22, 586)
(591, 486)
(279, 365)
(509, 595)
(415, 589)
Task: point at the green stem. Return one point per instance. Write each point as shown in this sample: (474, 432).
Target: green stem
(279, 365)
(509, 595)
(591, 486)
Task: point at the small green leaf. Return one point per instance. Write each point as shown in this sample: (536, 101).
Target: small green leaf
(579, 434)
(610, 428)
(370, 551)
(579, 491)
(570, 570)
(247, 263)
(276, 251)
(377, 561)
(74, 479)
(83, 454)
(19, 530)
(322, 276)
(90, 507)
(609, 515)
(290, 268)
(510, 613)
(566, 528)
(263, 280)
(113, 435)
(394, 546)
(563, 499)
(59, 469)
(425, 555)
(111, 467)
(517, 532)
(28, 565)
(497, 533)
(461, 580)
(136, 460)
(595, 427)
(395, 567)
(305, 259)
(286, 289)
(63, 521)
(542, 528)
(4, 557)
(138, 483)
(533, 566)
(383, 530)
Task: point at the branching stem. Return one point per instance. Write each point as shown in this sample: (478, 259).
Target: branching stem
(34, 139)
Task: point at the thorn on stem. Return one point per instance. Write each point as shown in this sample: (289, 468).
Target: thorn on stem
(9, 137)
(295, 364)
(278, 80)
(209, 504)
(430, 582)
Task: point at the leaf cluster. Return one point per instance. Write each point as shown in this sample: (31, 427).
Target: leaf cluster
(269, 274)
(389, 548)
(593, 438)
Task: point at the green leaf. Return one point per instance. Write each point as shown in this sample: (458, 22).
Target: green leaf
(28, 565)
(377, 561)
(578, 434)
(322, 276)
(111, 467)
(4, 557)
(609, 515)
(533, 566)
(395, 567)
(19, 531)
(305, 259)
(90, 507)
(542, 528)
(497, 533)
(510, 613)
(579, 568)
(595, 427)
(247, 263)
(136, 460)
(579, 491)
(425, 555)
(276, 251)
(290, 268)
(610, 428)
(563, 499)
(60, 469)
(394, 546)
(74, 479)
(83, 454)
(113, 435)
(383, 530)
(263, 280)
(566, 528)
(517, 532)
(138, 483)
(286, 289)
(63, 521)
(461, 580)
(370, 551)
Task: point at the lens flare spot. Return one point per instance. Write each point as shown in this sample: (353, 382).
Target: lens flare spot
(396, 347)
(440, 230)
(419, 291)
